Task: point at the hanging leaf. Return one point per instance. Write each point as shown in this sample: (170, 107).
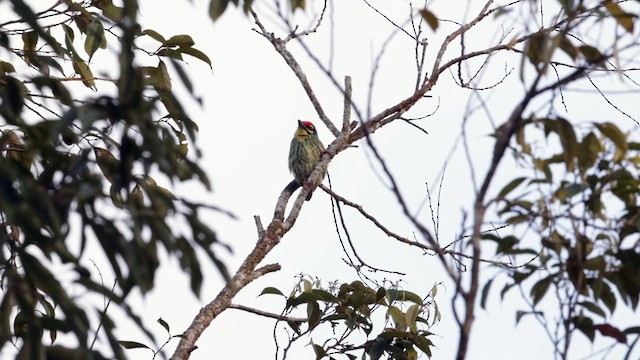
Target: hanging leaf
(95, 38)
(217, 8)
(85, 73)
(623, 18)
(430, 18)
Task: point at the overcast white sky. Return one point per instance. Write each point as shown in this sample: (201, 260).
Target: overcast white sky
(251, 104)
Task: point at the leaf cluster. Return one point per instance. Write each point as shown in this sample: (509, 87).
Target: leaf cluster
(349, 308)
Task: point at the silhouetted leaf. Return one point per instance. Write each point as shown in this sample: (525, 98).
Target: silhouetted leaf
(539, 290)
(133, 345)
(430, 18)
(271, 290)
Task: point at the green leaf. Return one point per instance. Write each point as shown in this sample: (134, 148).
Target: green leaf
(164, 324)
(112, 12)
(632, 330)
(325, 296)
(623, 18)
(155, 35)
(612, 132)
(85, 73)
(485, 293)
(172, 53)
(540, 289)
(95, 38)
(319, 351)
(430, 18)
(567, 46)
(398, 317)
(423, 344)
(297, 4)
(180, 40)
(247, 5)
(68, 39)
(133, 345)
(411, 315)
(217, 8)
(409, 296)
(536, 47)
(591, 54)
(196, 53)
(6, 67)
(30, 39)
(585, 325)
(590, 148)
(569, 142)
(313, 314)
(511, 186)
(592, 307)
(108, 163)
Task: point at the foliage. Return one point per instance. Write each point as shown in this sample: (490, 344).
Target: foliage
(349, 310)
(82, 164)
(581, 204)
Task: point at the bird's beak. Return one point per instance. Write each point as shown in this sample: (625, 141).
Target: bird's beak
(301, 124)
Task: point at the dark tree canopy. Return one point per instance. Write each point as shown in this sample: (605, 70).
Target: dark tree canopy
(80, 166)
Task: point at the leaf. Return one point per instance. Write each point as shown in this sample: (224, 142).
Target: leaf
(568, 140)
(30, 39)
(319, 351)
(632, 330)
(614, 134)
(68, 39)
(511, 186)
(133, 345)
(398, 317)
(164, 324)
(536, 47)
(590, 148)
(6, 67)
(95, 38)
(180, 40)
(297, 4)
(623, 18)
(485, 294)
(112, 12)
(540, 289)
(196, 53)
(585, 325)
(430, 18)
(313, 314)
(567, 46)
(592, 307)
(247, 5)
(411, 315)
(85, 73)
(107, 162)
(591, 54)
(155, 35)
(217, 8)
(409, 296)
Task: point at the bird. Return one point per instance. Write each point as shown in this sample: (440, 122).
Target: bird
(305, 152)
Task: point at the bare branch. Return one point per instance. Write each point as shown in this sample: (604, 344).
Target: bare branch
(280, 46)
(268, 314)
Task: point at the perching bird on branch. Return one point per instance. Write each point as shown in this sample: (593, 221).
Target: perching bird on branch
(305, 152)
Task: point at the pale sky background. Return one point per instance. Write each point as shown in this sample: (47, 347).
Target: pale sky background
(251, 103)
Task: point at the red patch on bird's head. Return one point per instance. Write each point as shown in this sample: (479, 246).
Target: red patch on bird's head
(308, 124)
